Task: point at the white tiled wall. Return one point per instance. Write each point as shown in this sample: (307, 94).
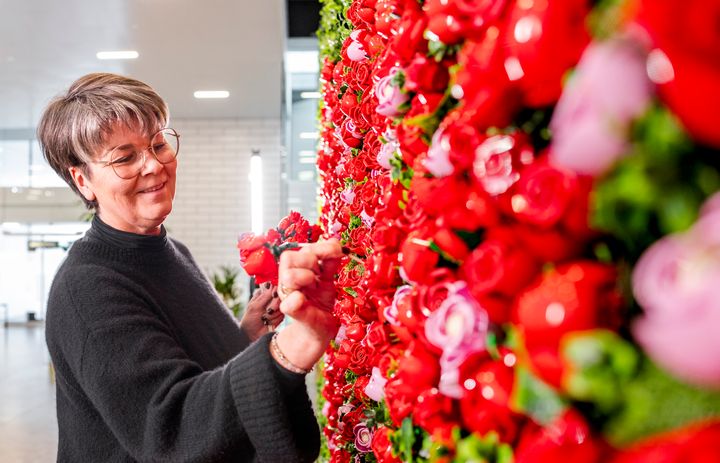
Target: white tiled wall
(212, 202)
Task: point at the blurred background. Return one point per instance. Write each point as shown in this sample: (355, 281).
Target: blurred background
(247, 154)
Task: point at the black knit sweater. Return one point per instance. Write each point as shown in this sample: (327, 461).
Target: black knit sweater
(151, 367)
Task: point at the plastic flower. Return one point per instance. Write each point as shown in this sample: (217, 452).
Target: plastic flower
(375, 388)
(610, 87)
(363, 438)
(676, 283)
(390, 96)
(458, 327)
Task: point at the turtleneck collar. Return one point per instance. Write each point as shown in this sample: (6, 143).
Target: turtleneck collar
(126, 240)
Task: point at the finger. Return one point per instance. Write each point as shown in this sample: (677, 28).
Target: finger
(299, 259)
(293, 303)
(297, 278)
(325, 249)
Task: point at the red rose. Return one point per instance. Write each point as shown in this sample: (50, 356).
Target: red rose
(453, 20)
(461, 204)
(381, 446)
(416, 257)
(572, 297)
(542, 195)
(568, 438)
(693, 444)
(426, 75)
(499, 264)
(257, 259)
(409, 37)
(340, 456)
(688, 35)
(548, 245)
(485, 404)
(437, 414)
(544, 42)
(487, 96)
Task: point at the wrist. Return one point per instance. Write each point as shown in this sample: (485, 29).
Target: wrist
(297, 348)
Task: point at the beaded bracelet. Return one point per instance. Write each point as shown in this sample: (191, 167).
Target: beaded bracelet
(282, 360)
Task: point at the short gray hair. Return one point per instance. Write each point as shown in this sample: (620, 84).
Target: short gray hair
(74, 126)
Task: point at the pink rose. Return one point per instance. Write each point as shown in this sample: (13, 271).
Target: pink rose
(388, 150)
(458, 327)
(348, 195)
(391, 312)
(437, 161)
(356, 49)
(390, 96)
(609, 89)
(376, 387)
(676, 282)
(494, 165)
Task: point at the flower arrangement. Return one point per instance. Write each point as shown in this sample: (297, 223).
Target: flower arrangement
(528, 189)
(260, 254)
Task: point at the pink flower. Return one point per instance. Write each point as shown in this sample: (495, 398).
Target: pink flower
(356, 50)
(391, 312)
(388, 150)
(610, 87)
(390, 96)
(494, 164)
(676, 282)
(363, 438)
(458, 327)
(437, 161)
(375, 389)
(348, 195)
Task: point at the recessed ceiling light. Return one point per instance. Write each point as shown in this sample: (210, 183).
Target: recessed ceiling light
(202, 94)
(310, 95)
(309, 135)
(306, 153)
(120, 54)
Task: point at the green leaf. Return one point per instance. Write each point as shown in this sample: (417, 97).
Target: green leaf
(535, 398)
(486, 449)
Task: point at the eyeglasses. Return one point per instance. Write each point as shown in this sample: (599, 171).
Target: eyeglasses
(127, 161)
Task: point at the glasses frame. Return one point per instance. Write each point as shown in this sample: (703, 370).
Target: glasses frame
(144, 155)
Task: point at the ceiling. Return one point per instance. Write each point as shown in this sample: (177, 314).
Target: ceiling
(184, 45)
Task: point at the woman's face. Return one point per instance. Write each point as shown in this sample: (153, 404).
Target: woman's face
(137, 205)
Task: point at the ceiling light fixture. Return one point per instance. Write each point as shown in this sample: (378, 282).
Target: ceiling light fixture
(209, 94)
(120, 54)
(309, 135)
(310, 95)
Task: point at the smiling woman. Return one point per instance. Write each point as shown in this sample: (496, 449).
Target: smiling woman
(150, 365)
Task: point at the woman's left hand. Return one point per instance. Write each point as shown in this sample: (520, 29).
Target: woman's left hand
(263, 312)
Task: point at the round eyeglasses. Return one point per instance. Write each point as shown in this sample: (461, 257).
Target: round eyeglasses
(127, 161)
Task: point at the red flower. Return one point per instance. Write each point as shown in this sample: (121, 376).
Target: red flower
(426, 75)
(687, 61)
(381, 446)
(568, 438)
(499, 264)
(545, 41)
(693, 444)
(437, 414)
(416, 257)
(485, 405)
(256, 258)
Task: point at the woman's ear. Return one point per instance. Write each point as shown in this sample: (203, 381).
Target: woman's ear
(82, 182)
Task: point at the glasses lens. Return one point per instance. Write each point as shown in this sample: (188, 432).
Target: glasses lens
(126, 162)
(165, 145)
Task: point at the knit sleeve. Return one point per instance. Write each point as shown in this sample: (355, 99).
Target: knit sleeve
(162, 406)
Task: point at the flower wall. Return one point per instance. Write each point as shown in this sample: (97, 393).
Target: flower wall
(528, 190)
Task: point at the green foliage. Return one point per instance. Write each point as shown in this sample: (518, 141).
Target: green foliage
(602, 365)
(334, 28)
(487, 449)
(656, 402)
(535, 398)
(658, 188)
(225, 283)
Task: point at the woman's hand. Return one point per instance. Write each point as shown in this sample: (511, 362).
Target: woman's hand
(307, 290)
(263, 312)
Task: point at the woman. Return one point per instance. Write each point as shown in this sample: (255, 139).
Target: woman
(150, 365)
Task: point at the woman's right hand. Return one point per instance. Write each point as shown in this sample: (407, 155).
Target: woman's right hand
(307, 291)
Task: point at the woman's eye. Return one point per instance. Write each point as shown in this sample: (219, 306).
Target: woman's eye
(124, 159)
(160, 146)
